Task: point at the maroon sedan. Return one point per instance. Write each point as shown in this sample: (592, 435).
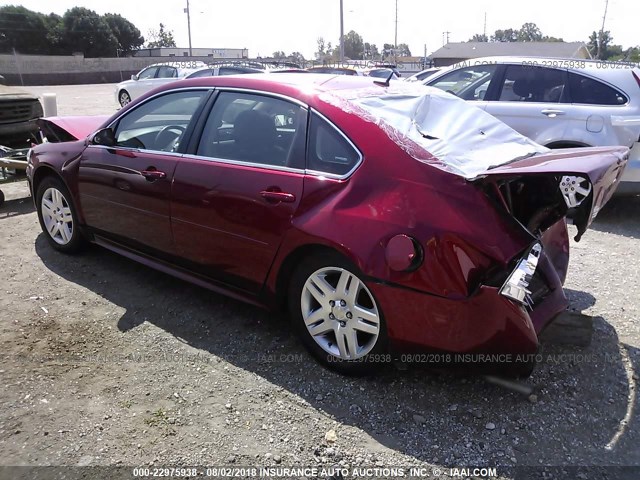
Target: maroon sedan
(387, 217)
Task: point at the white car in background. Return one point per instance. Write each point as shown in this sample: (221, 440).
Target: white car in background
(423, 75)
(559, 103)
(153, 76)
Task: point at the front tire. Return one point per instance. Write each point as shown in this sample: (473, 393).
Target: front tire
(336, 316)
(58, 216)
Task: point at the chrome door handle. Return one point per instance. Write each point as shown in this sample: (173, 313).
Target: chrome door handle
(552, 112)
(276, 197)
(153, 175)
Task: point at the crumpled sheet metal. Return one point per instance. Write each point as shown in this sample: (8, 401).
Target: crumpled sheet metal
(436, 127)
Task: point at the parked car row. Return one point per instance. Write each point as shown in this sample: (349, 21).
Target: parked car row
(385, 216)
(556, 103)
(160, 74)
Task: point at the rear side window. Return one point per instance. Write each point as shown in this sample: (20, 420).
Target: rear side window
(588, 91)
(329, 151)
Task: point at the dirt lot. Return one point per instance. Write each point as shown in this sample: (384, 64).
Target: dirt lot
(106, 362)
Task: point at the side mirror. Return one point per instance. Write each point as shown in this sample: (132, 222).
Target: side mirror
(134, 77)
(104, 137)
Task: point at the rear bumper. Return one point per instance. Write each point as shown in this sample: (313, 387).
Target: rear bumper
(486, 322)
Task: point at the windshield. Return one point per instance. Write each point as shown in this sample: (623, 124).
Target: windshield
(428, 123)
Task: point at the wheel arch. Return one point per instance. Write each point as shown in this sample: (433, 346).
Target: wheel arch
(45, 171)
(42, 172)
(293, 259)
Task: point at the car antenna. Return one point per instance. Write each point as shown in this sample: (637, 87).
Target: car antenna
(386, 82)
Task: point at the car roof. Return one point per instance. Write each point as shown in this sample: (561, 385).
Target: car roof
(301, 87)
(583, 64)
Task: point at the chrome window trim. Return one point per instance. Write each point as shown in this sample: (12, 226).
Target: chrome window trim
(242, 163)
(300, 103)
(266, 93)
(139, 150)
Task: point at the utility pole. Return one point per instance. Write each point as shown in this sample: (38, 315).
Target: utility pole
(601, 34)
(341, 32)
(187, 11)
(485, 24)
(395, 45)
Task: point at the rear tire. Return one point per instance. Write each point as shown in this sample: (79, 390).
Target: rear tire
(124, 98)
(58, 216)
(336, 316)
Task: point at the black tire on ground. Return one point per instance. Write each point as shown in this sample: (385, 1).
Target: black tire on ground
(378, 357)
(76, 240)
(124, 98)
(1, 197)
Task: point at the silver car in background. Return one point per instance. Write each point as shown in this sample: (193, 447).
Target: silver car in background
(153, 76)
(559, 103)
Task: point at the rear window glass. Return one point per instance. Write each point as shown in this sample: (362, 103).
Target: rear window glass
(588, 91)
(329, 151)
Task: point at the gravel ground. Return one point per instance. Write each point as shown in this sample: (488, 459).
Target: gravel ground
(106, 362)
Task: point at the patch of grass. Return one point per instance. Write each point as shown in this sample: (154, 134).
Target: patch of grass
(157, 418)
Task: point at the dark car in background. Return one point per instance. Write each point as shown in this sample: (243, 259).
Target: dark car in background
(19, 111)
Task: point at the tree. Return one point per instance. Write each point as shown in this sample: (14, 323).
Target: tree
(403, 50)
(279, 55)
(479, 37)
(529, 32)
(601, 46)
(161, 38)
(55, 34)
(126, 33)
(24, 30)
(321, 51)
(508, 35)
(86, 31)
(552, 39)
(298, 58)
(353, 46)
(371, 51)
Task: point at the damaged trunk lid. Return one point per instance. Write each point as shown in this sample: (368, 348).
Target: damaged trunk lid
(540, 190)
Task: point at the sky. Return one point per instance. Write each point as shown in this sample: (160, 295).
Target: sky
(265, 26)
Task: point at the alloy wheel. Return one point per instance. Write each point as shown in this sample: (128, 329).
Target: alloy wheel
(125, 99)
(56, 215)
(340, 313)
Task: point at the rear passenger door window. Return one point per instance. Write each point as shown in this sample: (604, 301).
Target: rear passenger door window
(524, 83)
(329, 150)
(257, 129)
(588, 91)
